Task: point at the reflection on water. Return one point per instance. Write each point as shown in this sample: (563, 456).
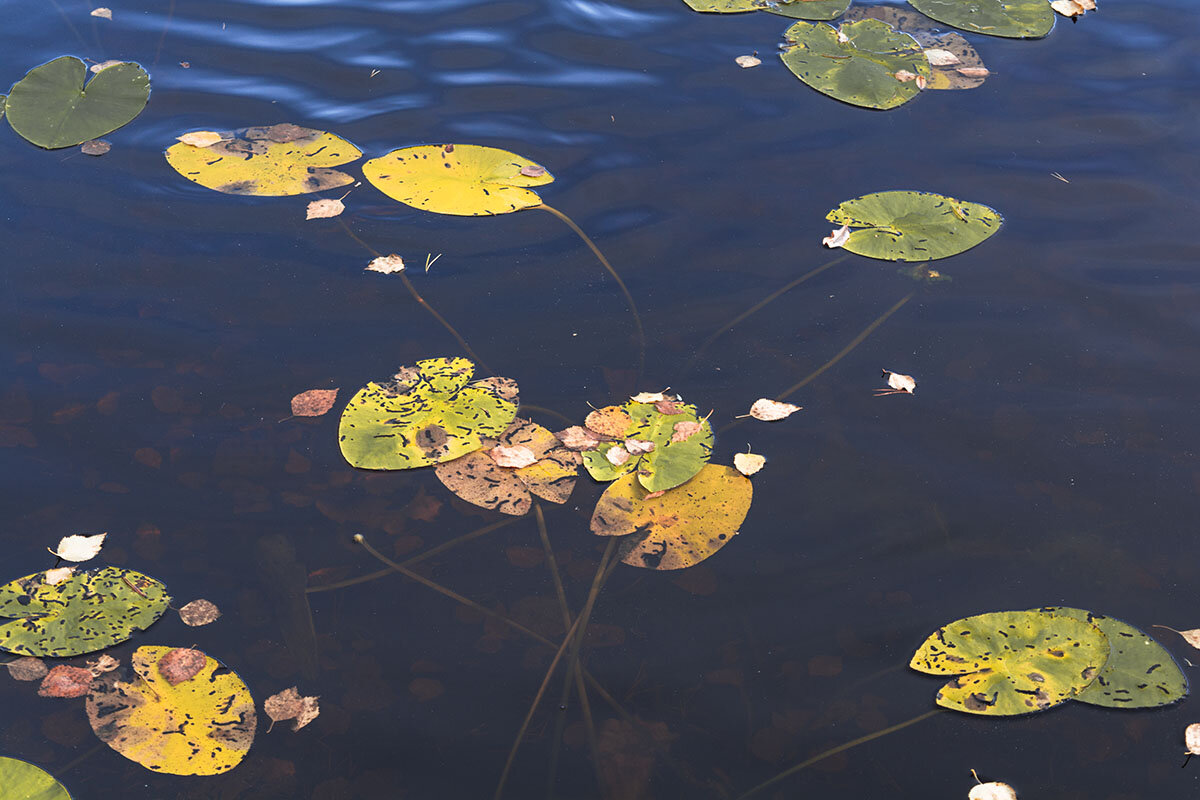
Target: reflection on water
(152, 333)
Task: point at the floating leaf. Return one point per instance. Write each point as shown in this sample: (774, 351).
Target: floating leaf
(748, 463)
(1191, 636)
(898, 384)
(967, 73)
(57, 575)
(745, 62)
(200, 138)
(610, 421)
(769, 410)
(673, 460)
(276, 160)
(79, 548)
(482, 479)
(203, 725)
(103, 664)
(913, 226)
(1014, 19)
(425, 415)
(1072, 8)
(27, 668)
(289, 704)
(181, 664)
(199, 612)
(95, 147)
(578, 438)
(52, 108)
(88, 612)
(678, 528)
(314, 402)
(1191, 738)
(1012, 662)
(725, 6)
(386, 264)
(993, 790)
(20, 780)
(66, 681)
(106, 13)
(324, 208)
(1139, 673)
(465, 179)
(808, 9)
(856, 63)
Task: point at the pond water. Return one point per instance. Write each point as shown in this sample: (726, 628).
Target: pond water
(152, 333)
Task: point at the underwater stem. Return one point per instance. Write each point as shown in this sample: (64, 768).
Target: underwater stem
(637, 319)
(841, 748)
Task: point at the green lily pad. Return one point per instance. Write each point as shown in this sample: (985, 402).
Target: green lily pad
(52, 108)
(3, 103)
(808, 9)
(676, 456)
(1140, 673)
(724, 6)
(1014, 19)
(20, 780)
(1013, 662)
(856, 63)
(87, 612)
(427, 414)
(912, 226)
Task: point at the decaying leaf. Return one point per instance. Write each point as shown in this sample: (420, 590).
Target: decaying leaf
(105, 663)
(199, 612)
(59, 574)
(314, 402)
(27, 668)
(898, 384)
(748, 463)
(837, 238)
(609, 421)
(66, 681)
(617, 455)
(95, 147)
(289, 704)
(181, 664)
(682, 431)
(386, 264)
(769, 410)
(79, 548)
(1191, 738)
(992, 791)
(105, 13)
(200, 138)
(516, 456)
(578, 438)
(745, 62)
(638, 446)
(1191, 636)
(941, 58)
(324, 208)
(533, 170)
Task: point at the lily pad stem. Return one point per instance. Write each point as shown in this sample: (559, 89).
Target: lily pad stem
(637, 319)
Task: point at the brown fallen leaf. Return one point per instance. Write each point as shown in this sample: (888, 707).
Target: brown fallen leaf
(199, 612)
(516, 456)
(748, 463)
(200, 138)
(288, 704)
(609, 421)
(745, 62)
(668, 407)
(386, 264)
(904, 76)
(95, 147)
(65, 681)
(533, 171)
(837, 238)
(1191, 636)
(685, 430)
(314, 402)
(105, 663)
(54, 577)
(769, 410)
(27, 668)
(102, 12)
(180, 664)
(324, 208)
(578, 438)
(897, 384)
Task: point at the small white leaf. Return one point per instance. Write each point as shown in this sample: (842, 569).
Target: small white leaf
(199, 138)
(746, 62)
(941, 58)
(837, 238)
(516, 456)
(748, 463)
(106, 13)
(992, 791)
(386, 264)
(79, 548)
(1191, 738)
(617, 455)
(325, 208)
(56, 576)
(770, 410)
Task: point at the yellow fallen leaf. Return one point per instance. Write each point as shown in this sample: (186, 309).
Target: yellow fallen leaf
(837, 238)
(748, 463)
(54, 577)
(1191, 636)
(106, 13)
(200, 138)
(325, 208)
(769, 410)
(79, 548)
(745, 62)
(516, 456)
(386, 264)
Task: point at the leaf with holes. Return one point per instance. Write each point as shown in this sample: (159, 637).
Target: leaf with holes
(463, 179)
(1013, 662)
(52, 108)
(426, 414)
(201, 725)
(679, 528)
(913, 226)
(856, 63)
(808, 9)
(272, 161)
(83, 614)
(673, 459)
(20, 780)
(1013, 19)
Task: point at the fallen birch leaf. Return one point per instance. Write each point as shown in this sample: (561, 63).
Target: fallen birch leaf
(288, 704)
(941, 58)
(669, 407)
(618, 455)
(516, 456)
(95, 147)
(56, 576)
(1191, 738)
(578, 438)
(314, 402)
(1191, 636)
(898, 383)
(79, 548)
(769, 410)
(104, 65)
(65, 681)
(101, 665)
(685, 430)
(199, 612)
(1072, 8)
(748, 463)
(608, 421)
(27, 668)
(992, 791)
(974, 72)
(745, 62)
(637, 446)
(648, 397)
(200, 138)
(386, 264)
(105, 13)
(324, 208)
(837, 238)
(180, 664)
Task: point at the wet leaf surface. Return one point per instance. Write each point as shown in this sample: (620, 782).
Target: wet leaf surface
(21, 780)
(674, 458)
(52, 108)
(79, 548)
(1018, 19)
(913, 226)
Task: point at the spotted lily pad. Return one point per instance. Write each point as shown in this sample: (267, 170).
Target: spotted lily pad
(808, 9)
(201, 725)
(681, 443)
(913, 226)
(463, 179)
(274, 160)
(20, 780)
(1013, 662)
(677, 529)
(857, 63)
(1139, 673)
(1014, 19)
(52, 108)
(87, 612)
(426, 414)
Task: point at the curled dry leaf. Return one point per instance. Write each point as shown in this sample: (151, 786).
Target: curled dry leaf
(898, 383)
(1191, 636)
(837, 238)
(105, 13)
(1191, 738)
(79, 548)
(516, 456)
(745, 62)
(992, 791)
(180, 664)
(748, 463)
(59, 574)
(288, 704)
(95, 147)
(200, 138)
(578, 438)
(314, 402)
(637, 446)
(199, 612)
(769, 410)
(65, 681)
(618, 455)
(27, 668)
(324, 208)
(609, 421)
(386, 264)
(101, 665)
(941, 58)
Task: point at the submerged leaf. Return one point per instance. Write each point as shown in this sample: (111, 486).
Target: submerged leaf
(199, 612)
(274, 160)
(27, 668)
(1014, 19)
(678, 528)
(465, 179)
(674, 458)
(20, 780)
(913, 226)
(66, 681)
(52, 108)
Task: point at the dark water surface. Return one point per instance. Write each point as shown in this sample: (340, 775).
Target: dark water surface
(152, 333)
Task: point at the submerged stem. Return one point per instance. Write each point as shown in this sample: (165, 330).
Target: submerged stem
(637, 319)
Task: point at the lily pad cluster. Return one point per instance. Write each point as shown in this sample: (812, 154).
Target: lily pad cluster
(1020, 662)
(53, 108)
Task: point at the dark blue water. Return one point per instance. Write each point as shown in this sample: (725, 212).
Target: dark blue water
(152, 333)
